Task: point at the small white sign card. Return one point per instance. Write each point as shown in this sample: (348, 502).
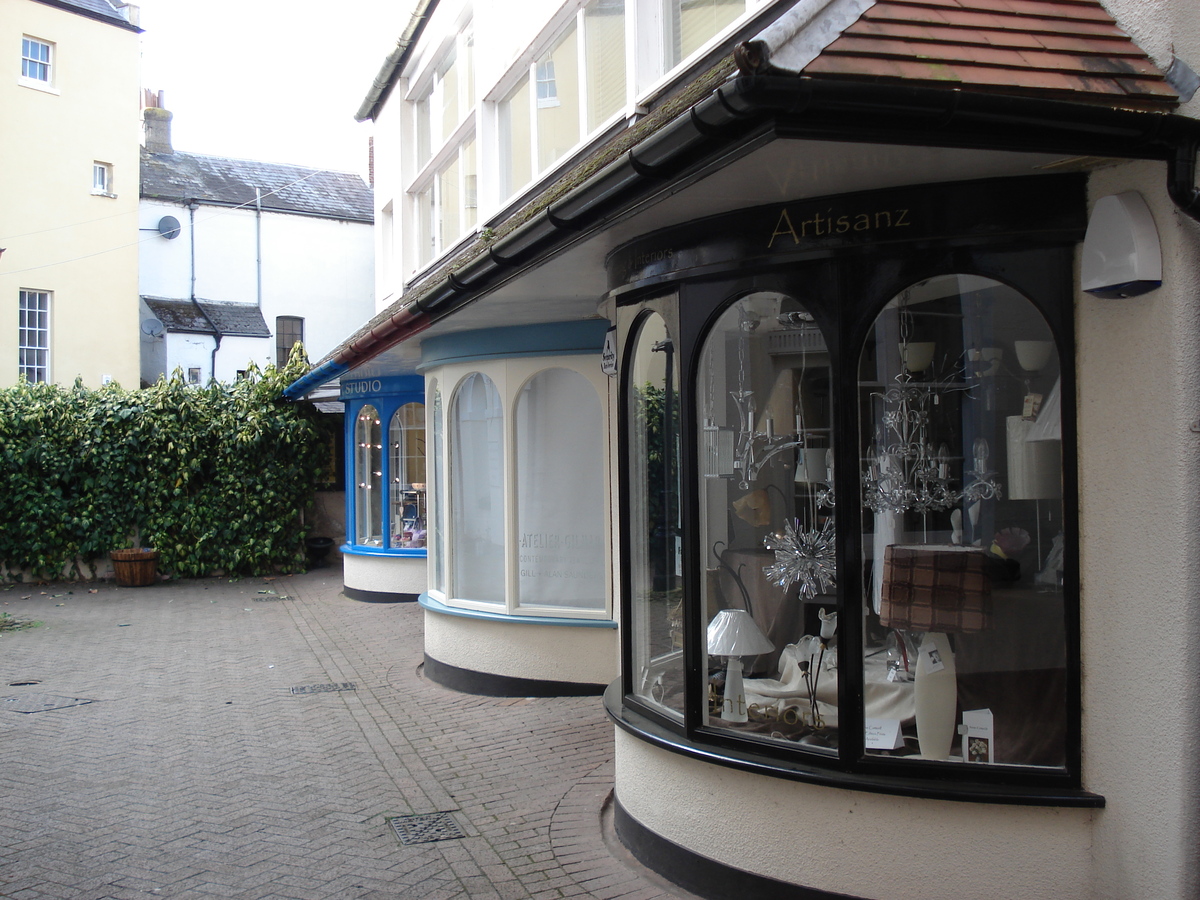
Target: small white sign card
(884, 734)
(978, 736)
(608, 354)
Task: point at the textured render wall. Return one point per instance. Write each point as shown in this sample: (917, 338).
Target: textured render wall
(386, 574)
(542, 652)
(1139, 462)
(860, 844)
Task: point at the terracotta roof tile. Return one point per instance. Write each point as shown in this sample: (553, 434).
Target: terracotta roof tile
(1054, 48)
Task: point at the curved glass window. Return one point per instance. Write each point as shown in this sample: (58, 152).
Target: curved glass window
(368, 478)
(654, 533)
(560, 502)
(963, 527)
(406, 473)
(767, 524)
(437, 495)
(476, 520)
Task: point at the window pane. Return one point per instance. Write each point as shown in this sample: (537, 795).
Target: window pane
(33, 337)
(962, 489)
(560, 498)
(476, 521)
(655, 568)
(425, 226)
(767, 524)
(406, 446)
(516, 151)
(468, 71)
(691, 23)
(604, 49)
(368, 478)
(470, 185)
(423, 129)
(558, 100)
(449, 200)
(437, 495)
(450, 112)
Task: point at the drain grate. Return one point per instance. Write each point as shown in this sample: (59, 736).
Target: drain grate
(322, 688)
(426, 828)
(271, 599)
(32, 703)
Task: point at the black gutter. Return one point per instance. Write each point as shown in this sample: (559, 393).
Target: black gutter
(393, 65)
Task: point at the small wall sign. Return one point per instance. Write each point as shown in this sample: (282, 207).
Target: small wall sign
(608, 355)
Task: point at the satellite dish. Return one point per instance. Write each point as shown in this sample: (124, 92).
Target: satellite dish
(168, 227)
(152, 327)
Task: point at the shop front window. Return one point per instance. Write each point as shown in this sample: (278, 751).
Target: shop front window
(407, 489)
(767, 524)
(368, 478)
(654, 534)
(437, 497)
(963, 528)
(560, 505)
(476, 520)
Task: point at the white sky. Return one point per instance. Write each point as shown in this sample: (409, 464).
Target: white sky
(269, 80)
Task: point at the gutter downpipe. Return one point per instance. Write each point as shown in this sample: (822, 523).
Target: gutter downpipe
(212, 364)
(956, 118)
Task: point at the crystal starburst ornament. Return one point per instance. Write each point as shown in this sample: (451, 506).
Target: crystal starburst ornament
(806, 558)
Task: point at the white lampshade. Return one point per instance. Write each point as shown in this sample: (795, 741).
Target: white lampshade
(733, 632)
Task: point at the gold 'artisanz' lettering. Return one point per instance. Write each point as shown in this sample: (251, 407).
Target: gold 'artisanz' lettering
(784, 218)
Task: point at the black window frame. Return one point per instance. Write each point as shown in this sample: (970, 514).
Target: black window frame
(845, 289)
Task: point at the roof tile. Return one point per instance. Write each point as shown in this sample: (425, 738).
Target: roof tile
(1055, 48)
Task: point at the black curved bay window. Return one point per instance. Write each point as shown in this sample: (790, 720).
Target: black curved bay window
(849, 481)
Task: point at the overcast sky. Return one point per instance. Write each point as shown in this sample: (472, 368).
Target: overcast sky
(267, 79)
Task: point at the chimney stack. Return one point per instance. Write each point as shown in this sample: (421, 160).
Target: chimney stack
(158, 124)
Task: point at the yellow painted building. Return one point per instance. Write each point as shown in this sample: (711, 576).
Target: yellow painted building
(69, 105)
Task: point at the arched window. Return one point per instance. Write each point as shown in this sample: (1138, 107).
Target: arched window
(654, 533)
(560, 502)
(437, 495)
(407, 489)
(368, 478)
(476, 519)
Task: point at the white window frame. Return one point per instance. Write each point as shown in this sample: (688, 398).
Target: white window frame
(509, 377)
(455, 152)
(102, 179)
(34, 338)
(50, 63)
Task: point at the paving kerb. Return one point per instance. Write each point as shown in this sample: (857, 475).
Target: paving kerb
(196, 772)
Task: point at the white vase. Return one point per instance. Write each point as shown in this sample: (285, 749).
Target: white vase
(935, 693)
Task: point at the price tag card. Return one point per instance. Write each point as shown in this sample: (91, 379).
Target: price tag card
(883, 734)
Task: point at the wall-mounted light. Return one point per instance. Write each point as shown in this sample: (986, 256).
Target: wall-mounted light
(1121, 253)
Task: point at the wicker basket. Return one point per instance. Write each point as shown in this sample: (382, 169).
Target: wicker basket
(135, 568)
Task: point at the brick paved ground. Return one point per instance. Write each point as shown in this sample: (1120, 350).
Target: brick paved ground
(197, 773)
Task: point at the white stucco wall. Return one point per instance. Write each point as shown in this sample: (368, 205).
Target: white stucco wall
(583, 655)
(1139, 466)
(315, 268)
(384, 574)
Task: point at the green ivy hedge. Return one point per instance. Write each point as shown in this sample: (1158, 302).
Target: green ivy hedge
(213, 477)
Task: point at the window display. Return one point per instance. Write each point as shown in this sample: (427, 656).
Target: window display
(963, 482)
(406, 484)
(655, 563)
(368, 478)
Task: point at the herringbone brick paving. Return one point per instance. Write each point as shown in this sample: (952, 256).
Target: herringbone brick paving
(196, 773)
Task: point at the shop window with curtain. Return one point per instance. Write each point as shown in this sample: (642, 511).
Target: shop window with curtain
(476, 520)
(560, 504)
(437, 493)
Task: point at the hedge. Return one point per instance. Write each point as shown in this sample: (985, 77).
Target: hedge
(213, 477)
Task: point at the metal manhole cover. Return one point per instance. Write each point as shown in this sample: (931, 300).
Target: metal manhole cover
(426, 828)
(322, 688)
(32, 703)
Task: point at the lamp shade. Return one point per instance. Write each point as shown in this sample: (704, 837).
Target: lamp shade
(733, 632)
(935, 588)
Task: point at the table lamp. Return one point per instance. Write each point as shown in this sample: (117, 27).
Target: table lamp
(734, 633)
(935, 589)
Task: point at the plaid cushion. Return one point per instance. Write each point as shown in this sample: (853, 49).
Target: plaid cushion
(938, 588)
